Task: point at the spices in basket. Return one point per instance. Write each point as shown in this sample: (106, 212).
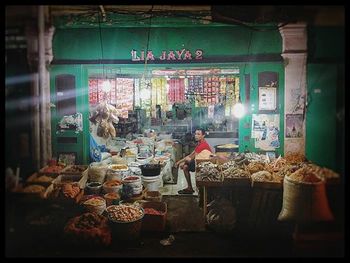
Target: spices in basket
(89, 228)
(124, 213)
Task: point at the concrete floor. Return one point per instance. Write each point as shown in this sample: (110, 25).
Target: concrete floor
(172, 189)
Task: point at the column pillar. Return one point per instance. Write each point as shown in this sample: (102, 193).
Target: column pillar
(294, 53)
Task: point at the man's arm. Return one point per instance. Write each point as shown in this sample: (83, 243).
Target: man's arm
(186, 158)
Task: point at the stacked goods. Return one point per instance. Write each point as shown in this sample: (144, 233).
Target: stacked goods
(208, 171)
(211, 89)
(125, 96)
(176, 91)
(88, 229)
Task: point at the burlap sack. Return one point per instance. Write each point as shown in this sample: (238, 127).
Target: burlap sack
(304, 202)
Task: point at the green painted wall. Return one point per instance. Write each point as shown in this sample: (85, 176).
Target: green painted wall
(118, 42)
(245, 124)
(82, 146)
(325, 120)
(321, 115)
(326, 42)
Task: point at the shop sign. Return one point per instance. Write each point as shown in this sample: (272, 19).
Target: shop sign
(182, 54)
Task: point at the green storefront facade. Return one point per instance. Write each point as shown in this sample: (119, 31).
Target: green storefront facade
(77, 52)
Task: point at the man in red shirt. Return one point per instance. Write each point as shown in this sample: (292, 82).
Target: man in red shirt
(187, 164)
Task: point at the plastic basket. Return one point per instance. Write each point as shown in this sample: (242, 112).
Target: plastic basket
(154, 223)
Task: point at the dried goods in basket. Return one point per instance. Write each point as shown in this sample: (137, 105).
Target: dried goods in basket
(74, 169)
(88, 229)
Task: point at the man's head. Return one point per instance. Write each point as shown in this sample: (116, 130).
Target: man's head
(199, 134)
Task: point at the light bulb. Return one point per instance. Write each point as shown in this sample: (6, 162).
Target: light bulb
(106, 86)
(238, 110)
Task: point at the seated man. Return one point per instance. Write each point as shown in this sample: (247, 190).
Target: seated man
(187, 164)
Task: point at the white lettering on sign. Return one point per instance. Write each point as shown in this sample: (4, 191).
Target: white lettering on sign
(182, 54)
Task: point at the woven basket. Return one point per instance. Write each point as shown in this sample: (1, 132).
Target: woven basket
(154, 223)
(126, 231)
(304, 202)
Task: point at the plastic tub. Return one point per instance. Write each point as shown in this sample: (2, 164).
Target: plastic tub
(93, 187)
(150, 169)
(151, 183)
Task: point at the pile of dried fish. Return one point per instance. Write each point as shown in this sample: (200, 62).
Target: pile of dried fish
(256, 157)
(294, 158)
(254, 167)
(321, 172)
(228, 165)
(305, 175)
(208, 172)
(235, 172)
(265, 176)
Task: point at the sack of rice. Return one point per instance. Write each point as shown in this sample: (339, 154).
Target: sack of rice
(304, 199)
(116, 159)
(97, 173)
